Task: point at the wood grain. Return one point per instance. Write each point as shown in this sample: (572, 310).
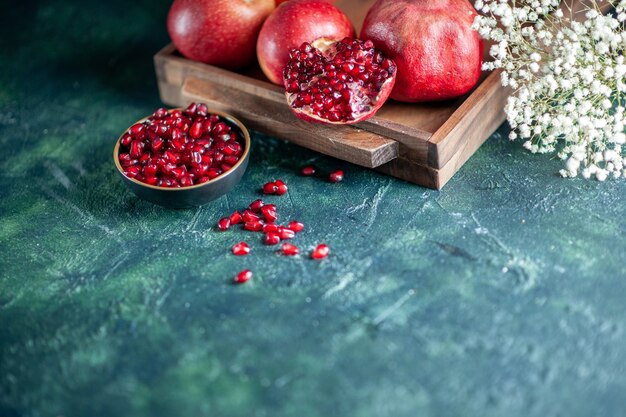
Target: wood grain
(482, 112)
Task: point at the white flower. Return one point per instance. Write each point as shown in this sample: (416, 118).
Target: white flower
(567, 78)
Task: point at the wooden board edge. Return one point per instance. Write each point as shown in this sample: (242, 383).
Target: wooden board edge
(479, 115)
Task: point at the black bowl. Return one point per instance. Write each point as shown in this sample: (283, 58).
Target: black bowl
(195, 195)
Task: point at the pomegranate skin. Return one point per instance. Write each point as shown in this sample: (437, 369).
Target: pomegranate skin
(438, 55)
(293, 23)
(218, 32)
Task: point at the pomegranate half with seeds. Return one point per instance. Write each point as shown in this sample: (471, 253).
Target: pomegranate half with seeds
(291, 24)
(340, 82)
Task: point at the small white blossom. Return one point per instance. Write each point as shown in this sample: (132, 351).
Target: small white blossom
(567, 77)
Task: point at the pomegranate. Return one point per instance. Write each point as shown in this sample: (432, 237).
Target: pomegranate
(218, 32)
(293, 23)
(180, 148)
(339, 82)
(279, 2)
(438, 55)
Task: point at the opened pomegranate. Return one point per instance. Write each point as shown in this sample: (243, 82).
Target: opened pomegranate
(438, 55)
(291, 24)
(338, 82)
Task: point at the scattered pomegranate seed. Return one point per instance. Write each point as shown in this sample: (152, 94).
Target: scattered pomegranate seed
(336, 176)
(243, 276)
(270, 188)
(241, 249)
(309, 170)
(320, 252)
(281, 187)
(223, 224)
(295, 226)
(271, 228)
(253, 226)
(286, 233)
(249, 216)
(271, 238)
(236, 218)
(289, 249)
(256, 205)
(269, 213)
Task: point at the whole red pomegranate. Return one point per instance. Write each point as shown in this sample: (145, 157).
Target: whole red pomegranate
(293, 23)
(438, 54)
(218, 32)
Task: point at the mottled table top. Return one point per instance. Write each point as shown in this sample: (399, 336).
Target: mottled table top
(501, 295)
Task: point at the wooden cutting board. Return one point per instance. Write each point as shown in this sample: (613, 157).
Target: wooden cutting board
(423, 143)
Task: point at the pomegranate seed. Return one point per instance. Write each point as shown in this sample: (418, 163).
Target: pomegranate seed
(289, 249)
(270, 188)
(186, 181)
(253, 226)
(241, 249)
(271, 239)
(126, 139)
(137, 130)
(281, 187)
(269, 213)
(243, 277)
(286, 233)
(249, 216)
(195, 131)
(160, 113)
(132, 172)
(271, 228)
(320, 252)
(223, 224)
(256, 205)
(236, 218)
(295, 226)
(336, 176)
(309, 170)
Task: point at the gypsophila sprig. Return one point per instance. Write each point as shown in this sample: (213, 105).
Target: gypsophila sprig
(566, 70)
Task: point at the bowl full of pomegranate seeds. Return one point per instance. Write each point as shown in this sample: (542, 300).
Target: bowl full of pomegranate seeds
(183, 158)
